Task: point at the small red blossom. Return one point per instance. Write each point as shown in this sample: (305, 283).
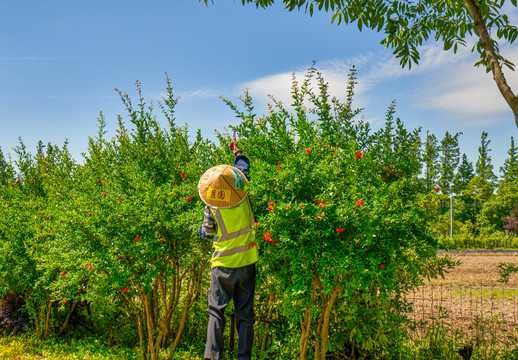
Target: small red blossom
(270, 203)
(104, 194)
(64, 302)
(278, 166)
(251, 244)
(176, 167)
(437, 189)
(268, 237)
(32, 181)
(182, 175)
(270, 208)
(18, 181)
(308, 150)
(63, 273)
(137, 238)
(332, 257)
(189, 198)
(339, 230)
(121, 197)
(90, 268)
(100, 181)
(316, 259)
(359, 155)
(125, 289)
(152, 153)
(288, 207)
(382, 266)
(162, 239)
(12, 185)
(89, 214)
(359, 202)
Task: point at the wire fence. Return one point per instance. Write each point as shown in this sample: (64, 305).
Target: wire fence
(464, 307)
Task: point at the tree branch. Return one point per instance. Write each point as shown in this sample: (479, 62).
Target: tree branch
(489, 49)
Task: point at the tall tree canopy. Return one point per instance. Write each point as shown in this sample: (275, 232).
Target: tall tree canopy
(407, 24)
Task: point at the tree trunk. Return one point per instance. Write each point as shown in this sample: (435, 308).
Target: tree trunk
(496, 68)
(65, 323)
(325, 323)
(304, 337)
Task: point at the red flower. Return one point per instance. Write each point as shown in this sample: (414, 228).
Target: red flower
(137, 238)
(270, 203)
(437, 189)
(90, 268)
(308, 150)
(382, 266)
(121, 197)
(63, 273)
(359, 155)
(288, 207)
(125, 289)
(189, 198)
(64, 302)
(251, 244)
(120, 257)
(32, 181)
(332, 257)
(89, 214)
(182, 175)
(359, 202)
(339, 230)
(176, 167)
(104, 194)
(12, 185)
(268, 237)
(270, 208)
(100, 181)
(278, 166)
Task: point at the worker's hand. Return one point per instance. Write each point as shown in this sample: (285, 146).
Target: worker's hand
(235, 147)
(202, 235)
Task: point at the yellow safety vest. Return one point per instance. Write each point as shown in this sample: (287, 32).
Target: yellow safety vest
(234, 241)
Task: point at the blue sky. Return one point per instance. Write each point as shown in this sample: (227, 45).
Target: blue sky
(61, 60)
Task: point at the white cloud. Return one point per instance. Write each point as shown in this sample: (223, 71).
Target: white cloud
(202, 93)
(443, 82)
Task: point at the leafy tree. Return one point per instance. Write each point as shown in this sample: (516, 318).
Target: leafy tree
(431, 161)
(510, 168)
(464, 174)
(484, 167)
(511, 222)
(449, 160)
(6, 170)
(498, 206)
(408, 24)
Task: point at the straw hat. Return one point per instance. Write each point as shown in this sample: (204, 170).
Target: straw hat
(222, 186)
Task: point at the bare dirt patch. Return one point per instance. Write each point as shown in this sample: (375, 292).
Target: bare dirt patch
(479, 269)
(470, 297)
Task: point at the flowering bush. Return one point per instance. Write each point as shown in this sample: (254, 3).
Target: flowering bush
(343, 217)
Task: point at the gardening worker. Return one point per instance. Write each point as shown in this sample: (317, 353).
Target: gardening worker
(228, 221)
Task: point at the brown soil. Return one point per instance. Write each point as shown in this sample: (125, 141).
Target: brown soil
(470, 297)
(479, 270)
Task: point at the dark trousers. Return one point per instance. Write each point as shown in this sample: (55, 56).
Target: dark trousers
(227, 284)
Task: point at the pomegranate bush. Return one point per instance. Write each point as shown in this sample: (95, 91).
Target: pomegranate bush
(341, 215)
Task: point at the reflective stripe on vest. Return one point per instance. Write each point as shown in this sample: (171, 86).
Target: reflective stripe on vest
(225, 235)
(235, 248)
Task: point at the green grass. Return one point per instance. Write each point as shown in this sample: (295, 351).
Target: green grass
(27, 347)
